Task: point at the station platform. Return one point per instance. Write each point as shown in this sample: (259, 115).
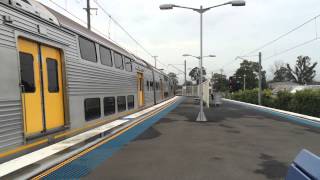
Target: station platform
(237, 142)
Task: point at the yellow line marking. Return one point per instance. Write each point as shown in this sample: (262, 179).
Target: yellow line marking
(52, 169)
(70, 132)
(21, 148)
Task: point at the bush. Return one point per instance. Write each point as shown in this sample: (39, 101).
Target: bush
(283, 100)
(303, 102)
(306, 102)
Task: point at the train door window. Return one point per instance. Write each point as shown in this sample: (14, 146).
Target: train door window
(130, 101)
(118, 61)
(122, 104)
(151, 85)
(92, 108)
(52, 68)
(147, 85)
(109, 105)
(27, 72)
(128, 64)
(87, 49)
(105, 56)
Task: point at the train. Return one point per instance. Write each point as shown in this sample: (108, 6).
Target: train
(58, 78)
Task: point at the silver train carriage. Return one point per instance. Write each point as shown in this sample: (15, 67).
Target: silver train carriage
(59, 78)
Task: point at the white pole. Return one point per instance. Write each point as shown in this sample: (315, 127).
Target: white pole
(201, 116)
(260, 79)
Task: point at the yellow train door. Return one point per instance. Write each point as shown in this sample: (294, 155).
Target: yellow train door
(140, 89)
(52, 87)
(161, 89)
(42, 87)
(31, 86)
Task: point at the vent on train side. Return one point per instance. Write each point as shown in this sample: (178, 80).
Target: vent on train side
(35, 8)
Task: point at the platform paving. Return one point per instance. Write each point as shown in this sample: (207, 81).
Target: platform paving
(237, 142)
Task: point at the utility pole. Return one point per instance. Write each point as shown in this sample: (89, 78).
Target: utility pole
(260, 79)
(155, 61)
(88, 15)
(244, 82)
(88, 10)
(185, 72)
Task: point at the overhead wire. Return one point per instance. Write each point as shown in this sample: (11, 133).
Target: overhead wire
(292, 48)
(283, 35)
(127, 32)
(108, 36)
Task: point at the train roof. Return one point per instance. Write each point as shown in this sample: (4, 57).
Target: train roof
(45, 12)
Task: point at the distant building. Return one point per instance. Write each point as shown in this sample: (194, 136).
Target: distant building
(290, 86)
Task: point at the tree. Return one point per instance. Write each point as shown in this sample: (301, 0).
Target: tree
(303, 71)
(250, 71)
(281, 75)
(174, 77)
(195, 74)
(220, 82)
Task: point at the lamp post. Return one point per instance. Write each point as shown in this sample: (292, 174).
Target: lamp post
(201, 115)
(202, 10)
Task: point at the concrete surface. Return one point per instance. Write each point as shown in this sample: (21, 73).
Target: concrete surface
(237, 143)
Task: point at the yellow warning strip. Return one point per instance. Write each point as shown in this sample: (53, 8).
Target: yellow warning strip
(21, 148)
(54, 168)
(68, 133)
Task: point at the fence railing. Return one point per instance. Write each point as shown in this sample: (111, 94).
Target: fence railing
(194, 91)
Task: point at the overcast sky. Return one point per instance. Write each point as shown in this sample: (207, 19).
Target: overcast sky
(228, 31)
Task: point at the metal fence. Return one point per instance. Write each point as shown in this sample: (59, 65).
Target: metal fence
(194, 91)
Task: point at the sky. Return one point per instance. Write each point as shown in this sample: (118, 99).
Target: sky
(227, 31)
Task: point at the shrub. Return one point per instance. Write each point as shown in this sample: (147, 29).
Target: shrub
(303, 102)
(282, 100)
(306, 102)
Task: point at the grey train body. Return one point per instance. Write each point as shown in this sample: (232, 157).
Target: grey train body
(82, 79)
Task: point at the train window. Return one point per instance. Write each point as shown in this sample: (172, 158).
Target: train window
(53, 79)
(118, 61)
(87, 49)
(130, 102)
(148, 88)
(109, 105)
(27, 72)
(122, 104)
(151, 85)
(92, 108)
(25, 1)
(105, 56)
(128, 64)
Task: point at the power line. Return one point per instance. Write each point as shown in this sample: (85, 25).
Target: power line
(283, 35)
(292, 48)
(108, 36)
(122, 28)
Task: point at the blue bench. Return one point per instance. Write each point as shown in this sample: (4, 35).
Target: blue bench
(306, 166)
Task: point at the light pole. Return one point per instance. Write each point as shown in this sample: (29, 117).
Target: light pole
(259, 74)
(202, 10)
(201, 115)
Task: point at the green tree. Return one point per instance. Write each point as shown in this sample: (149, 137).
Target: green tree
(250, 71)
(195, 74)
(304, 71)
(174, 77)
(220, 82)
(281, 75)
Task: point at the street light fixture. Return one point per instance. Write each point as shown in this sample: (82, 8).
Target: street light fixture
(201, 116)
(198, 57)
